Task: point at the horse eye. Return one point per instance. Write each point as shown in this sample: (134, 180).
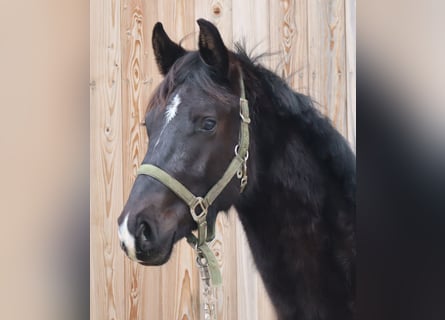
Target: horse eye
(208, 124)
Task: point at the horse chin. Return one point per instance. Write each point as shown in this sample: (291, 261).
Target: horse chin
(154, 263)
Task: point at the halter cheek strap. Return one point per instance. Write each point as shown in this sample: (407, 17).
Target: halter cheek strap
(199, 205)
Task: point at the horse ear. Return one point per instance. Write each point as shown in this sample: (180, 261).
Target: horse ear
(211, 47)
(166, 51)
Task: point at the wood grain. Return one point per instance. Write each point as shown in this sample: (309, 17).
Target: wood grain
(107, 262)
(250, 25)
(219, 12)
(224, 247)
(283, 31)
(289, 42)
(246, 276)
(327, 84)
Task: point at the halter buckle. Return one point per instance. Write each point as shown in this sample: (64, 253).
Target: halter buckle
(201, 259)
(202, 203)
(243, 183)
(241, 173)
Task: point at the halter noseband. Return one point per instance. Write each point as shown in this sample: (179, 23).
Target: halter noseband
(238, 167)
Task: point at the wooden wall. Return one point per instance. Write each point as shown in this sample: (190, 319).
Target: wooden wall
(315, 40)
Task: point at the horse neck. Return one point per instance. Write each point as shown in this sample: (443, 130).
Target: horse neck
(285, 215)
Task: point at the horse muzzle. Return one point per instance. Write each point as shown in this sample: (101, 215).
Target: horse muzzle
(142, 242)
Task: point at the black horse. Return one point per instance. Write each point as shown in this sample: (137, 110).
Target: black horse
(298, 208)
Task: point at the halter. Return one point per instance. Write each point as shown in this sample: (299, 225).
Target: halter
(238, 167)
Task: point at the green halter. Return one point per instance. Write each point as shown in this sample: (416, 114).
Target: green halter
(238, 167)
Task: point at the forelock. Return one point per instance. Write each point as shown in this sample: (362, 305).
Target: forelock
(191, 69)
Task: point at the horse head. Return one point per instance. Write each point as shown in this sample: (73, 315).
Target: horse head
(193, 124)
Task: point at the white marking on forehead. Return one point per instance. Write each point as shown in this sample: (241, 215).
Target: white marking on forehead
(172, 108)
(127, 238)
(170, 113)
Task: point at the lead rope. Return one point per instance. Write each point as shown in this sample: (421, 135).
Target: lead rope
(208, 265)
(209, 294)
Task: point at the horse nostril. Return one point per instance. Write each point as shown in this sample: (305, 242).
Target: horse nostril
(145, 231)
(123, 247)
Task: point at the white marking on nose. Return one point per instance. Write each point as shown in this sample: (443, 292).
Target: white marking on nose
(127, 238)
(170, 113)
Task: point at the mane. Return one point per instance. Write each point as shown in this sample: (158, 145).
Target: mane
(317, 131)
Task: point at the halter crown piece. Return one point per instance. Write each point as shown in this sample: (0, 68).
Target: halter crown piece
(206, 233)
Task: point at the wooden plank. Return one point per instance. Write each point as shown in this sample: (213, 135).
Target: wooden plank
(247, 277)
(106, 166)
(153, 77)
(178, 18)
(220, 14)
(266, 310)
(250, 25)
(288, 38)
(350, 21)
(327, 74)
(182, 281)
(224, 247)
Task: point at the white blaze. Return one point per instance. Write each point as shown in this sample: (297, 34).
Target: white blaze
(170, 113)
(172, 109)
(127, 238)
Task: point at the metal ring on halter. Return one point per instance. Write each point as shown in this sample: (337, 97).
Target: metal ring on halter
(236, 152)
(199, 261)
(194, 245)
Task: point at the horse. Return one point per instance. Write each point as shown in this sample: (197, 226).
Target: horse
(298, 203)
